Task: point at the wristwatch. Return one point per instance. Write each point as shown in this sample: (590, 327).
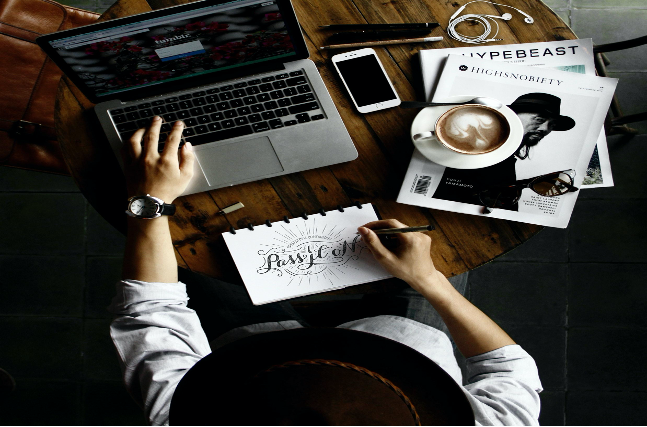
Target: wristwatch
(148, 207)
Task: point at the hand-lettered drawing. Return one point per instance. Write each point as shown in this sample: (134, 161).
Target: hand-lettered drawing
(305, 256)
(310, 252)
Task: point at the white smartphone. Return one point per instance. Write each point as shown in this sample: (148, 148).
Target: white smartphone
(366, 80)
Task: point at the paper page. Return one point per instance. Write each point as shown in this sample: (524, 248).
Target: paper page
(305, 256)
(565, 55)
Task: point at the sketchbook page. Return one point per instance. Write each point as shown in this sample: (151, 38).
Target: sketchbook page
(305, 256)
(566, 55)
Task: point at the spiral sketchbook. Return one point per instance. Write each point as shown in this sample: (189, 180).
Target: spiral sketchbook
(303, 256)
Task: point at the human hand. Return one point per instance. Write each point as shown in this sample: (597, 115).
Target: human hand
(163, 175)
(409, 260)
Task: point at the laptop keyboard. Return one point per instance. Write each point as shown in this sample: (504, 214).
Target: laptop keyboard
(227, 111)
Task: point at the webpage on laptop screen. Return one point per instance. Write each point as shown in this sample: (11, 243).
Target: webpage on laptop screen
(173, 47)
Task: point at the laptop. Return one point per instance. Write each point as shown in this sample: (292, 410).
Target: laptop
(236, 72)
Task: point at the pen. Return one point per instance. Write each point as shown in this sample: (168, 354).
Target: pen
(381, 43)
(379, 26)
(370, 35)
(404, 230)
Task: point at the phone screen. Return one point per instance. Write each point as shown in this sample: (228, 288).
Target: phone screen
(366, 81)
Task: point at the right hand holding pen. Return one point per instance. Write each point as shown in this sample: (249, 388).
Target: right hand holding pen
(473, 332)
(409, 261)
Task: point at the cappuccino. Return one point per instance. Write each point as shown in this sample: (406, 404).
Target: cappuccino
(472, 129)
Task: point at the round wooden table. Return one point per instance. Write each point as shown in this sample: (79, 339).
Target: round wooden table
(460, 242)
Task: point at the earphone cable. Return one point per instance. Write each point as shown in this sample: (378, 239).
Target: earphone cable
(482, 19)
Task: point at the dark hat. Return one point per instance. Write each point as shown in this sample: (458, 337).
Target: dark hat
(545, 103)
(318, 376)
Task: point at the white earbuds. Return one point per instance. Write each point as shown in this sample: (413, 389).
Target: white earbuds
(505, 16)
(483, 20)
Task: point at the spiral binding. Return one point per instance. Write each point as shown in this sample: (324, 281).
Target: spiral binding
(304, 215)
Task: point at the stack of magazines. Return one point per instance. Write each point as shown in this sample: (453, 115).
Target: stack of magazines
(556, 78)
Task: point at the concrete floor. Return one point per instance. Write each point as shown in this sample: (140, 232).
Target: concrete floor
(574, 298)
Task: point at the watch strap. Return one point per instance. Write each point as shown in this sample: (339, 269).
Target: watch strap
(166, 209)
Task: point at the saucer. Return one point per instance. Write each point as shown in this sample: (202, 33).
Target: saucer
(432, 149)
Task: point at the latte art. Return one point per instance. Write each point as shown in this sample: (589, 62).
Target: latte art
(477, 130)
(472, 129)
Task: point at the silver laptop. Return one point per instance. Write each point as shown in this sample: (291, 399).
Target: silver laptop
(236, 72)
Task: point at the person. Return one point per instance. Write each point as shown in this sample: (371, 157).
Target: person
(161, 342)
(540, 115)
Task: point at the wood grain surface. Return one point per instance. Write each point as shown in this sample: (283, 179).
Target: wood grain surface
(460, 242)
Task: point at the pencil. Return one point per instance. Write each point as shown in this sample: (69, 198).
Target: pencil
(381, 43)
(404, 230)
(379, 26)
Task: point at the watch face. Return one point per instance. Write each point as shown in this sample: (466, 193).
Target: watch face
(143, 207)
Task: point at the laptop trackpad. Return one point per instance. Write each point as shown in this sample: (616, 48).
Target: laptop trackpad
(239, 161)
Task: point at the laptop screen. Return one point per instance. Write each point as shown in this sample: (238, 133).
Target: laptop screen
(176, 46)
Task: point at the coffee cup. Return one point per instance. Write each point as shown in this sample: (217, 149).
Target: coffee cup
(469, 129)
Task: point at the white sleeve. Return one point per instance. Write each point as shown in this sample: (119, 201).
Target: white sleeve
(503, 387)
(158, 339)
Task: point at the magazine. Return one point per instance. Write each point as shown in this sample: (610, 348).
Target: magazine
(580, 102)
(566, 55)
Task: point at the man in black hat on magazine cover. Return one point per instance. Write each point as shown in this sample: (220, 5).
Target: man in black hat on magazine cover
(540, 115)
(238, 364)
